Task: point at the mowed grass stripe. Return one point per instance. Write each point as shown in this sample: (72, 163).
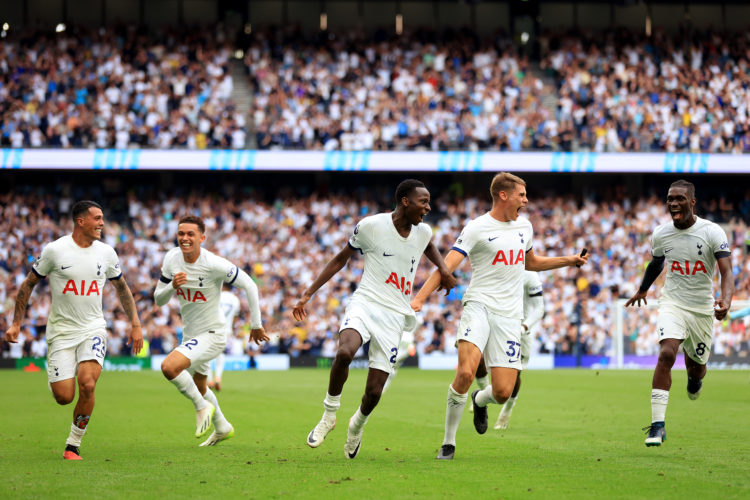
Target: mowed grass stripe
(573, 434)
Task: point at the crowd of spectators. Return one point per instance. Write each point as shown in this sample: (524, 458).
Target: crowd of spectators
(620, 90)
(423, 92)
(118, 88)
(283, 243)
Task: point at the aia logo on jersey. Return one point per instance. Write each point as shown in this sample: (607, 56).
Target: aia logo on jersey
(687, 270)
(187, 295)
(401, 284)
(71, 287)
(510, 259)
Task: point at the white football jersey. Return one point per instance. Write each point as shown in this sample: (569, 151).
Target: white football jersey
(390, 261)
(229, 304)
(76, 280)
(199, 297)
(690, 263)
(497, 251)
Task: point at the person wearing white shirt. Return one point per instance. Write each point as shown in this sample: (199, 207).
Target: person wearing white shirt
(691, 247)
(194, 276)
(392, 245)
(229, 304)
(499, 246)
(78, 266)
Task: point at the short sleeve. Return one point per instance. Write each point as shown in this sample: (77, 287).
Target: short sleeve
(657, 248)
(44, 263)
(718, 241)
(113, 271)
(533, 285)
(166, 271)
(426, 234)
(530, 242)
(225, 270)
(466, 240)
(362, 237)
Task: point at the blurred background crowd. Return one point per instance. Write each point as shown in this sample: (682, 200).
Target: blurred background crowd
(284, 238)
(615, 90)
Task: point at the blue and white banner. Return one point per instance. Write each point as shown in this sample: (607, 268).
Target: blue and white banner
(371, 161)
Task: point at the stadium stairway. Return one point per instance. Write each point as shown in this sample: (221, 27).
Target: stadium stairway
(242, 95)
(549, 97)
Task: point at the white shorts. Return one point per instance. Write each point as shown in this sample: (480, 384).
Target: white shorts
(695, 330)
(63, 357)
(497, 337)
(382, 328)
(201, 349)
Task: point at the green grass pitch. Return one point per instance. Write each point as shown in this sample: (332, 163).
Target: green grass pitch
(573, 434)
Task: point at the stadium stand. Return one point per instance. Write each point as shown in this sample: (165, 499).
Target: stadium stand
(118, 88)
(605, 91)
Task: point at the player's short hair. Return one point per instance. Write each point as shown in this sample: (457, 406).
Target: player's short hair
(504, 182)
(406, 187)
(684, 184)
(193, 219)
(81, 208)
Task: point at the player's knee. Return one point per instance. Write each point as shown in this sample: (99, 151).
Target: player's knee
(168, 370)
(86, 388)
(344, 356)
(63, 399)
(373, 393)
(502, 394)
(667, 357)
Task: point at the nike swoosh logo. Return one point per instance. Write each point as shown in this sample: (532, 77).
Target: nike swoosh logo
(668, 250)
(512, 360)
(490, 239)
(387, 254)
(64, 267)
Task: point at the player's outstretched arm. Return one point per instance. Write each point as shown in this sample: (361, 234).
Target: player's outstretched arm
(723, 303)
(452, 260)
(22, 302)
(135, 337)
(447, 280)
(653, 270)
(536, 262)
(334, 265)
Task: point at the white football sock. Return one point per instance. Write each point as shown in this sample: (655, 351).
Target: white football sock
(483, 382)
(659, 400)
(485, 397)
(220, 422)
(454, 408)
(508, 405)
(331, 405)
(185, 384)
(388, 381)
(219, 366)
(75, 436)
(357, 421)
